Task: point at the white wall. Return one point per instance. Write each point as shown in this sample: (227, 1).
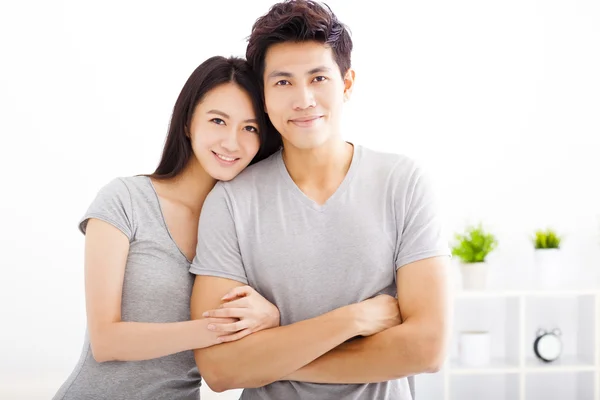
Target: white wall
(499, 99)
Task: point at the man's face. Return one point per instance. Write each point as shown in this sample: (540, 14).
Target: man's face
(304, 93)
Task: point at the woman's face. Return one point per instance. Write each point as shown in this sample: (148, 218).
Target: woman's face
(224, 131)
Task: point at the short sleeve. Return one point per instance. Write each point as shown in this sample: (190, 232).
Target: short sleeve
(419, 222)
(217, 251)
(113, 205)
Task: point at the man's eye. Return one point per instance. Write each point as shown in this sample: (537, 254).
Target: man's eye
(282, 83)
(320, 78)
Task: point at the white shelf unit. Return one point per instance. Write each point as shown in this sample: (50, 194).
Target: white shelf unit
(513, 317)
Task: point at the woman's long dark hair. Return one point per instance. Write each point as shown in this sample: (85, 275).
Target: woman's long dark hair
(210, 74)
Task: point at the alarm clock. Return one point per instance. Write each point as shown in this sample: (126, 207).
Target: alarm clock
(547, 345)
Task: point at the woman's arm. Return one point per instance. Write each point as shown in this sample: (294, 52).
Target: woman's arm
(106, 250)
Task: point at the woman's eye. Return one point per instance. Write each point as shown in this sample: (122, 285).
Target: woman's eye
(251, 129)
(282, 83)
(218, 121)
(320, 79)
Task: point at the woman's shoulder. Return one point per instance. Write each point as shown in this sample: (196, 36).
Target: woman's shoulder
(136, 188)
(118, 201)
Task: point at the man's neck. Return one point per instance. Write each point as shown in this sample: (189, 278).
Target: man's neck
(318, 172)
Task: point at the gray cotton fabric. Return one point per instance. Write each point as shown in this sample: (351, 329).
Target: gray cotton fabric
(260, 229)
(157, 288)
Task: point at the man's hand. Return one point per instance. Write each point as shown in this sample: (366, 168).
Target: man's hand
(377, 314)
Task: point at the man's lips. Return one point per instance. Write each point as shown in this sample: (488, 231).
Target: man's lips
(306, 119)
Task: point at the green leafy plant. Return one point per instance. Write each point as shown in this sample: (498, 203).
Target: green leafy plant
(547, 239)
(474, 244)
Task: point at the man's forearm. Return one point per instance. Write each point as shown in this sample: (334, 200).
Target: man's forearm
(394, 353)
(266, 356)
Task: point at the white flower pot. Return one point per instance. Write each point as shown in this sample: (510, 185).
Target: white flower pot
(474, 275)
(548, 268)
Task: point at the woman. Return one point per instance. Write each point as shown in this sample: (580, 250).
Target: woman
(141, 238)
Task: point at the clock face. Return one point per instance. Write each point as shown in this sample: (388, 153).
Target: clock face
(548, 347)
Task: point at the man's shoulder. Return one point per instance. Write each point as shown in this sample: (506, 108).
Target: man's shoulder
(255, 177)
(386, 165)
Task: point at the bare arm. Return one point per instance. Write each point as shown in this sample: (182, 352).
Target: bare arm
(418, 345)
(264, 357)
(106, 250)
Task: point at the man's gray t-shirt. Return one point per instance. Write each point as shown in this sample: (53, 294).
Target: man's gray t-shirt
(157, 287)
(308, 259)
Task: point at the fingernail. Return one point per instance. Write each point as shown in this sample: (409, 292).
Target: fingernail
(211, 327)
(205, 314)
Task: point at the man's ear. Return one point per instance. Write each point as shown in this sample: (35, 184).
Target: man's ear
(349, 78)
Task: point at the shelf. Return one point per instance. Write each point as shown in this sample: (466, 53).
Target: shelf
(498, 316)
(503, 366)
(496, 366)
(476, 294)
(513, 316)
(430, 386)
(563, 364)
(575, 317)
(489, 387)
(560, 385)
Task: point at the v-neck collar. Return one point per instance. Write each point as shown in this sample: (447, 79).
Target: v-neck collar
(302, 197)
(163, 220)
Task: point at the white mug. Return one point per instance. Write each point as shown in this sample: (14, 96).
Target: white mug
(474, 348)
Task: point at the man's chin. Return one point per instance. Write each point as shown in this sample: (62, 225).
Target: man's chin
(305, 141)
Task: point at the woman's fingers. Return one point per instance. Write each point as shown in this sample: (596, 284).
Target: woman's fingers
(235, 336)
(221, 320)
(231, 327)
(241, 302)
(239, 291)
(226, 313)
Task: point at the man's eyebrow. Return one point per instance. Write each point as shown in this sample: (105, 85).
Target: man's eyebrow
(284, 74)
(277, 74)
(319, 69)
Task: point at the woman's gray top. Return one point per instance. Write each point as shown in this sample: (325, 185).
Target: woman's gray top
(157, 288)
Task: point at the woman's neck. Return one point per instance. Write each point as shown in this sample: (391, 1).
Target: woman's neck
(190, 187)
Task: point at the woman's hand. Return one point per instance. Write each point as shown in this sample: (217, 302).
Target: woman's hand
(250, 311)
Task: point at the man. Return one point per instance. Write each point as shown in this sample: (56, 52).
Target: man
(316, 227)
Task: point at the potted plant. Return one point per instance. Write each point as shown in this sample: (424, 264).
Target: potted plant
(472, 247)
(546, 244)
